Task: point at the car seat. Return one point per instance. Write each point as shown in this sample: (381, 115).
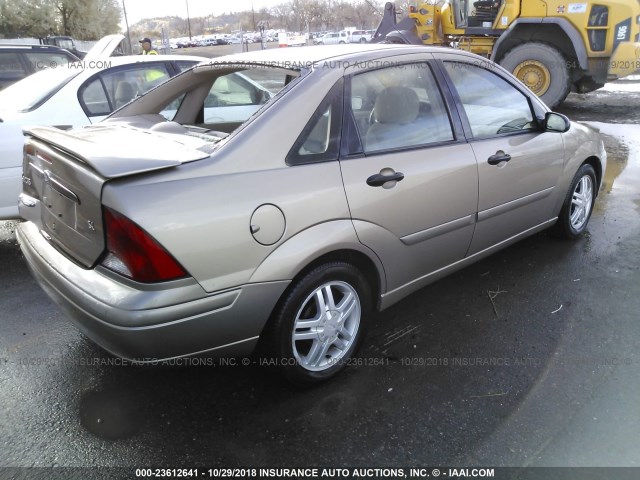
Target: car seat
(125, 92)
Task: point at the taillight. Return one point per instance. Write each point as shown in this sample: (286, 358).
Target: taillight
(132, 252)
(29, 149)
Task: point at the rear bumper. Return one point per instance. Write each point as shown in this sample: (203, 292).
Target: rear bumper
(147, 323)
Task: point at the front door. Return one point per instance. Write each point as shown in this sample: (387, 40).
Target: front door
(518, 164)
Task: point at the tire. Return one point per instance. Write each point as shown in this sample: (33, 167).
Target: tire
(578, 204)
(342, 42)
(309, 341)
(542, 68)
(363, 40)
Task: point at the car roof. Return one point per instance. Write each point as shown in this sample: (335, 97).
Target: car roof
(297, 56)
(111, 62)
(101, 63)
(11, 46)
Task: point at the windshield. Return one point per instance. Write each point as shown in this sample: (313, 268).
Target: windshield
(31, 92)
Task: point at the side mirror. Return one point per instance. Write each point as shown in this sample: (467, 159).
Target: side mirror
(556, 122)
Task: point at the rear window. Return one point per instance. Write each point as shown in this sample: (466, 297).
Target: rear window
(10, 64)
(232, 98)
(31, 92)
(42, 60)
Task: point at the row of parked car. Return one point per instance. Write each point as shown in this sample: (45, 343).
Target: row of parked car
(205, 42)
(250, 37)
(344, 36)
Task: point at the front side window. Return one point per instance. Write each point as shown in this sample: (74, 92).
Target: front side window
(493, 106)
(399, 107)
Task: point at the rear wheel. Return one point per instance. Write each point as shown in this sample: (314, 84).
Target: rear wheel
(578, 204)
(542, 68)
(318, 326)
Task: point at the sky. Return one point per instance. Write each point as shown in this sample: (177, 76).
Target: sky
(139, 9)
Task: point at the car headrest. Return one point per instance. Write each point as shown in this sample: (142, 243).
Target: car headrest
(396, 105)
(125, 92)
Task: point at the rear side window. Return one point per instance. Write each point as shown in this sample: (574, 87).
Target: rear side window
(493, 106)
(111, 90)
(399, 107)
(95, 99)
(320, 139)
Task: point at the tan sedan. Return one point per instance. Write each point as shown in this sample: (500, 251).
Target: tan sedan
(209, 217)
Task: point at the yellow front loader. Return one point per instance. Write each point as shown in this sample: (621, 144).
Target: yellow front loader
(553, 47)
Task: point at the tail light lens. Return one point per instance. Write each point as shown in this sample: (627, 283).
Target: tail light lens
(132, 252)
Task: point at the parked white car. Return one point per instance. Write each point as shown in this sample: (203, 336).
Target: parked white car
(76, 95)
(360, 36)
(334, 38)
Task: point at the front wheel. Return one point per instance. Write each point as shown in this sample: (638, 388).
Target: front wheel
(578, 204)
(318, 326)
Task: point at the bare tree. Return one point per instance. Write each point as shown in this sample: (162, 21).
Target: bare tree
(284, 15)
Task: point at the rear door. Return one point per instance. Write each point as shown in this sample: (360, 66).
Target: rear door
(410, 177)
(518, 164)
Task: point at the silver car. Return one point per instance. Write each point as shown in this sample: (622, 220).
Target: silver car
(365, 174)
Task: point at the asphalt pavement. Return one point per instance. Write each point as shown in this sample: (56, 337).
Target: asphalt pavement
(527, 358)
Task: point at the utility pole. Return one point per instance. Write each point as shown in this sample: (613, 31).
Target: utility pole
(188, 19)
(253, 16)
(126, 21)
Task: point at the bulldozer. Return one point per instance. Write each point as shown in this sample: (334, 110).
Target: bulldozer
(553, 47)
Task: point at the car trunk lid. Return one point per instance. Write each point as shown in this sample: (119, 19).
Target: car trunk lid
(66, 171)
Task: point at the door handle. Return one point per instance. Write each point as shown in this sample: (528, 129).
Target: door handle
(498, 158)
(379, 180)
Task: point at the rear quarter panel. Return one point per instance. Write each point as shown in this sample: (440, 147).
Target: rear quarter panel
(201, 212)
